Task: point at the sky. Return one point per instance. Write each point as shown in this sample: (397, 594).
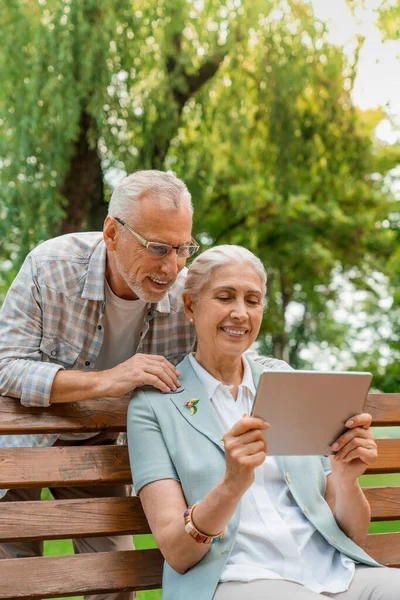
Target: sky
(378, 75)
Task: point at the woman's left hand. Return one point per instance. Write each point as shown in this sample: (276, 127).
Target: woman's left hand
(354, 450)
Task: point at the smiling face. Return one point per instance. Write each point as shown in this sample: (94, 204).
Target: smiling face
(228, 313)
(131, 272)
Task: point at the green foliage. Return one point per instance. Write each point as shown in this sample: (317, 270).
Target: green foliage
(282, 161)
(248, 102)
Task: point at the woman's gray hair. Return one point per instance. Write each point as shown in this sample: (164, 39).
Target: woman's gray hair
(204, 265)
(157, 186)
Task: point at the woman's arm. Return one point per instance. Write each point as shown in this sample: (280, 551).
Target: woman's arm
(355, 450)
(164, 502)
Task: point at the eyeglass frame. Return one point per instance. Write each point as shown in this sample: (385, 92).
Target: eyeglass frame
(146, 243)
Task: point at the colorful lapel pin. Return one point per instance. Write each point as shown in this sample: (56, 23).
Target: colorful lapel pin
(192, 405)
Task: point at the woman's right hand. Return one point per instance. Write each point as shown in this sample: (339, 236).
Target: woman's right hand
(245, 449)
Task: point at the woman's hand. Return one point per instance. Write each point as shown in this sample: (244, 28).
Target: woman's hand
(245, 449)
(354, 450)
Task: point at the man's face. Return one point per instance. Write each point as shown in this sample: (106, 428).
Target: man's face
(132, 272)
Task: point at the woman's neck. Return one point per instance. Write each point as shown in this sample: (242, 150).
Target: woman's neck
(227, 369)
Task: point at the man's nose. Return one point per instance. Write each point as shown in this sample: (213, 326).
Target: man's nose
(170, 263)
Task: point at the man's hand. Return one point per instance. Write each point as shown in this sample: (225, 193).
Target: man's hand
(245, 449)
(141, 369)
(354, 450)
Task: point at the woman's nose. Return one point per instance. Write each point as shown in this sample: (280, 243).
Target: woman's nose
(239, 311)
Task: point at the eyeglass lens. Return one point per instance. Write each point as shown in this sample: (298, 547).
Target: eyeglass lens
(160, 250)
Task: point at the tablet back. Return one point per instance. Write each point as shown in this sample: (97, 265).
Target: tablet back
(307, 409)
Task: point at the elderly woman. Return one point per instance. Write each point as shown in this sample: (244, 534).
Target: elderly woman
(231, 521)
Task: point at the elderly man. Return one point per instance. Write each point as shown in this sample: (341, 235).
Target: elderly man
(100, 314)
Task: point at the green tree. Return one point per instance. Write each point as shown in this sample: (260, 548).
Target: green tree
(283, 162)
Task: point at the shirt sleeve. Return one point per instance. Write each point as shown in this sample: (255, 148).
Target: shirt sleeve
(23, 374)
(148, 454)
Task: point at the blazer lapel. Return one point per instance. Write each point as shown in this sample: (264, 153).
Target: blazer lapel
(204, 418)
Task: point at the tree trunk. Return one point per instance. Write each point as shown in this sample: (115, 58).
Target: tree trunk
(83, 186)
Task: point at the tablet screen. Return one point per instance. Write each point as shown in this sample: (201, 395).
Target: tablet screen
(307, 409)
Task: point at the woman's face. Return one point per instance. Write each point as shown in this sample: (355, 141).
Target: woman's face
(229, 311)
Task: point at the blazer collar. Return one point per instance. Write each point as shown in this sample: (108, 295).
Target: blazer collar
(204, 420)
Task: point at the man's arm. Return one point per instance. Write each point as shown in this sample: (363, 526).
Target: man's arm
(24, 375)
(140, 369)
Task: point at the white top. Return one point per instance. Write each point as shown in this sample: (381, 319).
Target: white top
(274, 540)
(122, 323)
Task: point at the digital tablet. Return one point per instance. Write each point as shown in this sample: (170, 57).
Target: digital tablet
(307, 409)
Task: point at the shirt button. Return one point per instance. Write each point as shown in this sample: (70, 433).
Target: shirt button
(87, 363)
(287, 477)
(53, 352)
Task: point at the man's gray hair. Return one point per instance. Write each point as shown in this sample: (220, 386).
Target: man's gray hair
(204, 265)
(156, 186)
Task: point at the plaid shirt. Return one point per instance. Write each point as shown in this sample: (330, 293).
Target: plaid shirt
(51, 318)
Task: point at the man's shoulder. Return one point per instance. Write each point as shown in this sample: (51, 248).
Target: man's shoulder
(69, 262)
(78, 246)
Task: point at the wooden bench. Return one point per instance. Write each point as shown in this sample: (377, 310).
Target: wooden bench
(60, 576)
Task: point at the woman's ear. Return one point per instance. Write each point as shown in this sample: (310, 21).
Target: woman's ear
(188, 305)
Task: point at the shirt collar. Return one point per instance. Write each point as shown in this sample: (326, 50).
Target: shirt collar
(211, 383)
(94, 284)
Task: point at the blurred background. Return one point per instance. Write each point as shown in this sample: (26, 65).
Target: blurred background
(283, 118)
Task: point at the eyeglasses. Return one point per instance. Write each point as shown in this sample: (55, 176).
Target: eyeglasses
(160, 250)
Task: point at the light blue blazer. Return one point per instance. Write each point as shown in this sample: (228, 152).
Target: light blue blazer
(167, 442)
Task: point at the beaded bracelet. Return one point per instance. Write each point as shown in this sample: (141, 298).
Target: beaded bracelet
(192, 530)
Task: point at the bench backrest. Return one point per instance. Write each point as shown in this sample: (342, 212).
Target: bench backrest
(50, 577)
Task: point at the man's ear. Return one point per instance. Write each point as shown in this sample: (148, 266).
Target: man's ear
(188, 305)
(110, 233)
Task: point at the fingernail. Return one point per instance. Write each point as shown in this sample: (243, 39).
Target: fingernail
(244, 415)
(335, 446)
(178, 372)
(178, 383)
(349, 423)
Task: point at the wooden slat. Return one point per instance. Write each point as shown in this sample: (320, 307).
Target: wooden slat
(88, 415)
(385, 548)
(388, 460)
(62, 519)
(384, 408)
(100, 573)
(63, 466)
(384, 501)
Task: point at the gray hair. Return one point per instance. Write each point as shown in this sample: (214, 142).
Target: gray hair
(204, 265)
(157, 186)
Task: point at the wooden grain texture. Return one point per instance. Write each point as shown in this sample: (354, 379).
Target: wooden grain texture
(101, 573)
(89, 415)
(62, 519)
(63, 466)
(384, 408)
(385, 548)
(384, 501)
(388, 460)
